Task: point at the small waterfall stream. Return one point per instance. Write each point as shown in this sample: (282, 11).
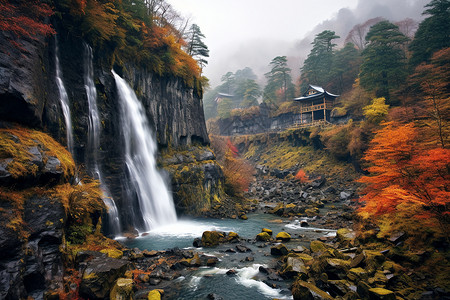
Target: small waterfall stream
(93, 145)
(155, 199)
(64, 100)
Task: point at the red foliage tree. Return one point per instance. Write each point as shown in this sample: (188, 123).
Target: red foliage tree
(404, 171)
(25, 18)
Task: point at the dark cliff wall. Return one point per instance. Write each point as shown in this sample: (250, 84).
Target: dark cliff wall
(29, 96)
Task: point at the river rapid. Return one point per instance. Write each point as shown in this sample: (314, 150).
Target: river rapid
(246, 282)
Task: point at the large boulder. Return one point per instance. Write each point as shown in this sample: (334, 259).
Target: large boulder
(263, 236)
(317, 247)
(279, 250)
(336, 268)
(345, 236)
(100, 276)
(212, 238)
(283, 236)
(294, 266)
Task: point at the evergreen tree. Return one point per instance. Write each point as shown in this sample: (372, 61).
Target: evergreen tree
(433, 33)
(317, 65)
(251, 93)
(241, 78)
(344, 69)
(279, 86)
(383, 67)
(196, 47)
(228, 83)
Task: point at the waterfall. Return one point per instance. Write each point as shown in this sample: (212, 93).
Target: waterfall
(64, 100)
(93, 145)
(153, 195)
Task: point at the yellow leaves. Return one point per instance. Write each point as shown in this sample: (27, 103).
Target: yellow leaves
(15, 144)
(376, 111)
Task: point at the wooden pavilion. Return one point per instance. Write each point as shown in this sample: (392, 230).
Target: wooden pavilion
(316, 105)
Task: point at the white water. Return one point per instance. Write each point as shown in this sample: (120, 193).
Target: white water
(64, 100)
(244, 276)
(93, 145)
(154, 198)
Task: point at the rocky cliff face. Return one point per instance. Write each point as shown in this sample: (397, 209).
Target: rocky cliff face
(29, 96)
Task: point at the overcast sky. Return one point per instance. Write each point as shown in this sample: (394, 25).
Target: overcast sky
(241, 33)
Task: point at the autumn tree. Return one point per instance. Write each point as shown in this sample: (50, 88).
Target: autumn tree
(357, 35)
(384, 62)
(405, 173)
(24, 19)
(279, 86)
(376, 111)
(237, 171)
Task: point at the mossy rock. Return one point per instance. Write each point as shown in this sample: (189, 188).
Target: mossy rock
(312, 212)
(356, 274)
(279, 250)
(336, 268)
(269, 231)
(31, 157)
(113, 253)
(232, 236)
(304, 290)
(284, 236)
(122, 290)
(317, 247)
(154, 295)
(373, 259)
(381, 294)
(294, 266)
(263, 236)
(212, 238)
(379, 279)
(345, 235)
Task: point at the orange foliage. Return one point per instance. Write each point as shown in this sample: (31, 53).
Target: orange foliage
(403, 170)
(301, 176)
(237, 171)
(238, 174)
(164, 53)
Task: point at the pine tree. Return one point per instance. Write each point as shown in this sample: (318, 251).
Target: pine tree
(384, 61)
(317, 65)
(279, 81)
(196, 47)
(433, 33)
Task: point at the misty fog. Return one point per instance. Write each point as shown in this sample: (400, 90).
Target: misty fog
(229, 53)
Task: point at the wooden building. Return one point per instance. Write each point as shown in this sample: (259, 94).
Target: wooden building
(315, 105)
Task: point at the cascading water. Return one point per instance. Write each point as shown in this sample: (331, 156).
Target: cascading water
(93, 144)
(64, 100)
(154, 198)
